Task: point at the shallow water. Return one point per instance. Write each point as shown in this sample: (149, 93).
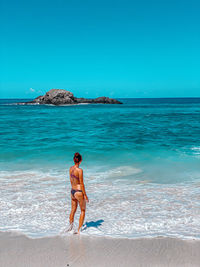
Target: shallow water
(140, 161)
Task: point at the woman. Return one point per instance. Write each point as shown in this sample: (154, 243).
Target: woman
(78, 194)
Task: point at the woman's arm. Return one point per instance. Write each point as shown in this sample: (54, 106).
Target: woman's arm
(82, 184)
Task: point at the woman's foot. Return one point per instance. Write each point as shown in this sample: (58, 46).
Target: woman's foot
(68, 228)
(76, 232)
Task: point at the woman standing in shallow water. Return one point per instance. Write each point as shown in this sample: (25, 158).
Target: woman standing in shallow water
(78, 194)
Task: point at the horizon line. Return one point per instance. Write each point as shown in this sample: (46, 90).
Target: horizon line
(121, 97)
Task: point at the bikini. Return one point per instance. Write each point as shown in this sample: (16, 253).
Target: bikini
(73, 191)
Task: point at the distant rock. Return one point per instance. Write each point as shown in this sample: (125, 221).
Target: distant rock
(63, 97)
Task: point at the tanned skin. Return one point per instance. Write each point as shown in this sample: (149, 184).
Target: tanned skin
(79, 197)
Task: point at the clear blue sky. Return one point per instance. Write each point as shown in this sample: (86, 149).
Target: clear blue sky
(94, 48)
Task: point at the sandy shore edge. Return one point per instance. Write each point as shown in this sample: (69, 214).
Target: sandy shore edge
(80, 250)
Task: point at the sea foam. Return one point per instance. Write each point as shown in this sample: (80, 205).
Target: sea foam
(38, 204)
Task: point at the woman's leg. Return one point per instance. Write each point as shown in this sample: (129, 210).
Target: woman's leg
(82, 204)
(74, 204)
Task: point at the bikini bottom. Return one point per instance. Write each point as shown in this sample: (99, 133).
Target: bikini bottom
(73, 191)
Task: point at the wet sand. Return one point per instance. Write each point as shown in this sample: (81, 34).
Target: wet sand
(79, 250)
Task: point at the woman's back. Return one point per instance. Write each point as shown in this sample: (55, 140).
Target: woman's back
(74, 176)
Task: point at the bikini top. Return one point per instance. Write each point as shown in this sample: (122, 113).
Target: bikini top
(73, 175)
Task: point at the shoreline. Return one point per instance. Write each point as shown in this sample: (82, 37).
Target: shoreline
(93, 235)
(80, 250)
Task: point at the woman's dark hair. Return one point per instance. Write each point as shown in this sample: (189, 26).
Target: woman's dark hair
(77, 157)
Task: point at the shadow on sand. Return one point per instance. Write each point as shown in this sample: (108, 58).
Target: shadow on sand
(92, 224)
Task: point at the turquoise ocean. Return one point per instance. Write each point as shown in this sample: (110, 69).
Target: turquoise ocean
(141, 163)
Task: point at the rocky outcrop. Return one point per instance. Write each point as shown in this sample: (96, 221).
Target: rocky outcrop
(63, 97)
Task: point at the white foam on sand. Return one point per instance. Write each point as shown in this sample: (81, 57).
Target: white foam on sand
(38, 203)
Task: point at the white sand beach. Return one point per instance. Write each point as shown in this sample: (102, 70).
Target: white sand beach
(79, 250)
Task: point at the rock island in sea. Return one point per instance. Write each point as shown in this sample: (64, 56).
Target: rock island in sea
(63, 97)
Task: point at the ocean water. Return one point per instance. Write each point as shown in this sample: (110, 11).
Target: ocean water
(141, 163)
